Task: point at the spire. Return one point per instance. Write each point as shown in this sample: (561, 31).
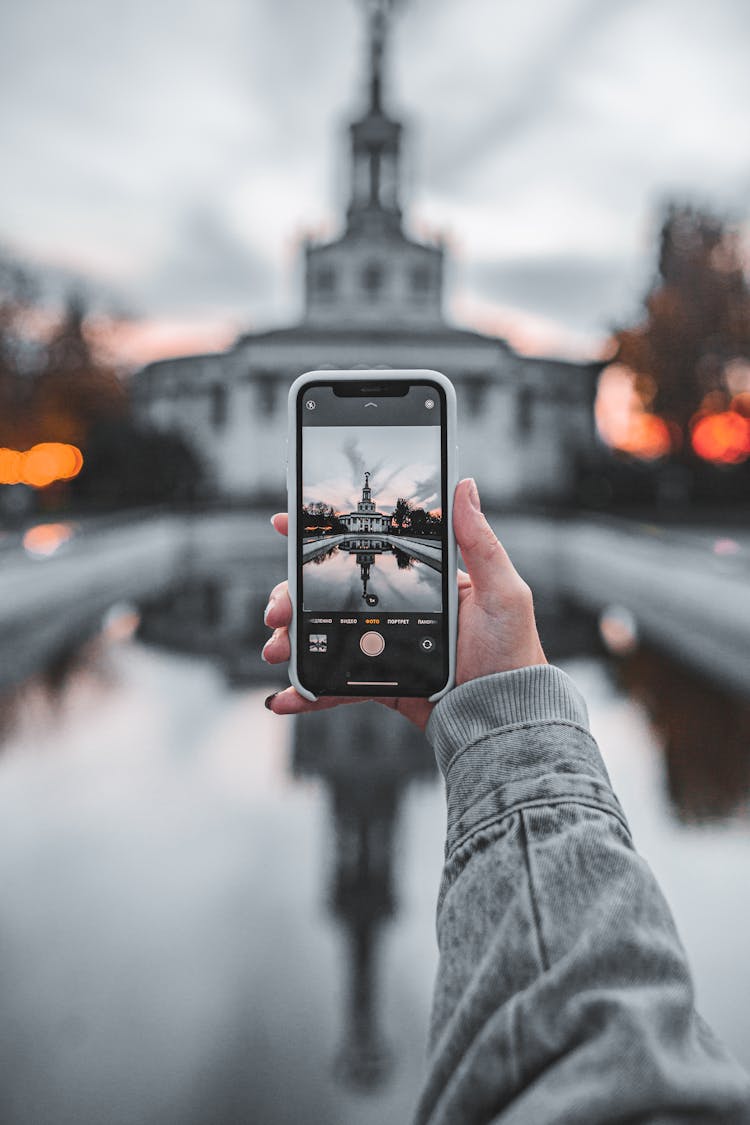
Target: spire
(374, 274)
(375, 139)
(378, 26)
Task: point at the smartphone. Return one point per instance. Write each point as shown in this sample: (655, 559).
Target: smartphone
(371, 474)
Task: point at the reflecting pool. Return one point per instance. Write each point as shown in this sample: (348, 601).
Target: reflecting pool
(356, 574)
(211, 913)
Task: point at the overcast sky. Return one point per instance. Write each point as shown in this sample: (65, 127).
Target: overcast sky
(172, 153)
(335, 459)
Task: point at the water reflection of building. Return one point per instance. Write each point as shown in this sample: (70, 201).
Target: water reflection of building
(371, 545)
(365, 560)
(366, 758)
(216, 610)
(366, 518)
(374, 298)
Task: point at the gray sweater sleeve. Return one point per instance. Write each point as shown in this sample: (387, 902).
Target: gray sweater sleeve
(563, 993)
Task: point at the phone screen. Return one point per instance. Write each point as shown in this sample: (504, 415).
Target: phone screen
(372, 538)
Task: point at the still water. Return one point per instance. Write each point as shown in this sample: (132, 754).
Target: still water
(210, 913)
(392, 580)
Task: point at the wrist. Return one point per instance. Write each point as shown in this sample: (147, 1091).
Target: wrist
(513, 739)
(534, 694)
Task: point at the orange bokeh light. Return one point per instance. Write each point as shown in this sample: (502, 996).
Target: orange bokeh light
(10, 466)
(623, 419)
(45, 538)
(647, 436)
(722, 438)
(41, 465)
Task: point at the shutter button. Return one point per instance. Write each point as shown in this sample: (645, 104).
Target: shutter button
(372, 644)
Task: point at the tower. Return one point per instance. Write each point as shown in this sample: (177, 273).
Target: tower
(367, 518)
(373, 299)
(374, 275)
(375, 140)
(366, 503)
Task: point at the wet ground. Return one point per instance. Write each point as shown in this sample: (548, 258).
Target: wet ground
(213, 914)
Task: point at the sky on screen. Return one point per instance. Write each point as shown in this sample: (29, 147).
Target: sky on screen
(402, 460)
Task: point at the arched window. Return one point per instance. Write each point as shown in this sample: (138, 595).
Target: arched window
(524, 408)
(266, 387)
(474, 388)
(325, 282)
(372, 278)
(420, 280)
(218, 406)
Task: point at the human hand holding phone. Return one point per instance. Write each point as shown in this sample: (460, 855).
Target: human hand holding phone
(496, 626)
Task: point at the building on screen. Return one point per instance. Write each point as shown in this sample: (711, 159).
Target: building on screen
(366, 518)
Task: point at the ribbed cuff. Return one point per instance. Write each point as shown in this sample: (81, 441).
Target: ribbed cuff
(540, 693)
(515, 739)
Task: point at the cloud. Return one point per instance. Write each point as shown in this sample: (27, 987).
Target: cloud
(587, 293)
(426, 491)
(382, 482)
(206, 268)
(525, 79)
(403, 464)
(174, 159)
(352, 452)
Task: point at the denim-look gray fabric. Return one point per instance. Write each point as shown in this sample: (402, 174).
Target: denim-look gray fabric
(563, 994)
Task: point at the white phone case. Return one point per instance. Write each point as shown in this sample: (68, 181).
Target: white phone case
(379, 376)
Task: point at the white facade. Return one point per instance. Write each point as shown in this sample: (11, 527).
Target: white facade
(373, 298)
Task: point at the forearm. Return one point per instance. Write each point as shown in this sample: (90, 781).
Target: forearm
(563, 993)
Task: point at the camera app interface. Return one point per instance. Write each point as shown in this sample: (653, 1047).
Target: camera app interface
(372, 541)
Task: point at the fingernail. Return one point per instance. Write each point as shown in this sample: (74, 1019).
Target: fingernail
(273, 525)
(474, 496)
(267, 610)
(269, 700)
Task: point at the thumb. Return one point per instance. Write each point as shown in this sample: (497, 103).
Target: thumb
(485, 558)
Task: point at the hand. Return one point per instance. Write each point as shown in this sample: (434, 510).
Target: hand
(496, 626)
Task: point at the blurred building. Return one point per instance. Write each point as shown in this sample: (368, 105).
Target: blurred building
(374, 298)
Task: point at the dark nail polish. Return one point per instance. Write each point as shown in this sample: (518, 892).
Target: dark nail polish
(269, 700)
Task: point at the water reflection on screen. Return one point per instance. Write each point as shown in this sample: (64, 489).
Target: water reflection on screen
(344, 579)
